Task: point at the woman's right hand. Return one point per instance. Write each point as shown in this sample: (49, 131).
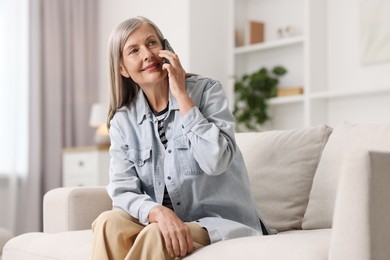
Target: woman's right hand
(177, 235)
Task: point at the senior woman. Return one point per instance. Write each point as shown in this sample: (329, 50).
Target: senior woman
(177, 178)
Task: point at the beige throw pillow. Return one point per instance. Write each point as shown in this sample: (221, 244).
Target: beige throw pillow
(281, 165)
(319, 213)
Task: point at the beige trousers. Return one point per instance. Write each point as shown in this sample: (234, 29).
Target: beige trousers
(117, 235)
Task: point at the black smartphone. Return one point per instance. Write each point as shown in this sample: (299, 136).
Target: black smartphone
(168, 47)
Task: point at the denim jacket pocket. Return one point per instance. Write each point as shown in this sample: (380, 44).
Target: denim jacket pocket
(142, 159)
(185, 156)
(139, 157)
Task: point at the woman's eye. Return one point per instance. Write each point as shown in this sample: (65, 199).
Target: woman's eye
(133, 51)
(152, 42)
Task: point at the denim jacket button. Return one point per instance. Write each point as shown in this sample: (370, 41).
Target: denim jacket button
(140, 162)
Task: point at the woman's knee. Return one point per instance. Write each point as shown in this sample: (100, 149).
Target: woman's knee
(103, 219)
(152, 229)
(151, 232)
(110, 219)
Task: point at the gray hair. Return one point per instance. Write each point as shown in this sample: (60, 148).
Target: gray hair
(123, 90)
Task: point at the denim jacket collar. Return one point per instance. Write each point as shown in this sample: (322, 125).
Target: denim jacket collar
(143, 109)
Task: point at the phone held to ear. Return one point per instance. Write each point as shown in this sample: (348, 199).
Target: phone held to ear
(168, 47)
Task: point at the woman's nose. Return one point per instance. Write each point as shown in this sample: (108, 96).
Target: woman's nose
(146, 53)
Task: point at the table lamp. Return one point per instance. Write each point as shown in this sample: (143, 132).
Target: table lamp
(98, 120)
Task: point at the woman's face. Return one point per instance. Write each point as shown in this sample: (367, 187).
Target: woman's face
(140, 57)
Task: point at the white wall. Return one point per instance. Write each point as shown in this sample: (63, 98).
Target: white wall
(346, 72)
(210, 40)
(345, 69)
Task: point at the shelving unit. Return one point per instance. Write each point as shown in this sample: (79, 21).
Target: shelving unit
(291, 51)
(309, 59)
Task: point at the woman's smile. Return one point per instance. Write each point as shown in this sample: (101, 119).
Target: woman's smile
(152, 67)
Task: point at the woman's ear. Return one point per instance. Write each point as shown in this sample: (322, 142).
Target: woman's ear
(123, 71)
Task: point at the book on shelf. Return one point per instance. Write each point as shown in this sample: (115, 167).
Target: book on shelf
(239, 38)
(256, 32)
(290, 91)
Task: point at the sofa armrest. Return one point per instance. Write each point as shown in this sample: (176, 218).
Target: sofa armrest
(361, 223)
(73, 208)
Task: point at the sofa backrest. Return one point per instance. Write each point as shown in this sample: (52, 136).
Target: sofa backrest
(281, 165)
(346, 139)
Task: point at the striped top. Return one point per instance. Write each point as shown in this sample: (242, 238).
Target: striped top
(160, 116)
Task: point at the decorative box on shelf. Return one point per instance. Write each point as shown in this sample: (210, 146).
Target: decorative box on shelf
(85, 166)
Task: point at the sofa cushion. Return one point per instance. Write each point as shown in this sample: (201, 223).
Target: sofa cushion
(302, 245)
(281, 165)
(73, 245)
(319, 213)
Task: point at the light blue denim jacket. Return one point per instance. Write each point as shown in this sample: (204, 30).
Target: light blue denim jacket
(202, 167)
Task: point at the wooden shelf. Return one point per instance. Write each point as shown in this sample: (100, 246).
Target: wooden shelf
(286, 100)
(269, 45)
(349, 93)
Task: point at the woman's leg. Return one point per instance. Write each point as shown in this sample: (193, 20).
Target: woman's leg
(150, 243)
(114, 233)
(117, 235)
(200, 236)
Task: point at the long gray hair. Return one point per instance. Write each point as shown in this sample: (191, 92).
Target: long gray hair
(123, 90)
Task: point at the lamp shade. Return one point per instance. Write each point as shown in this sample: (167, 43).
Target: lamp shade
(98, 115)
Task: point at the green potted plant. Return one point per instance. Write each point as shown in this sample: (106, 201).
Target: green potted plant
(252, 91)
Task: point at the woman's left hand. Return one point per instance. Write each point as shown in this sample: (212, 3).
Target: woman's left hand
(176, 77)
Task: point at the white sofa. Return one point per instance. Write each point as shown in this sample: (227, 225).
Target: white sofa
(5, 235)
(326, 192)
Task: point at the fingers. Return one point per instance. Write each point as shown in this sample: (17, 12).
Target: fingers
(178, 241)
(185, 242)
(190, 242)
(168, 245)
(171, 57)
(176, 74)
(177, 235)
(174, 68)
(177, 245)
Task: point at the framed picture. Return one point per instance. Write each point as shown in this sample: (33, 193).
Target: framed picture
(374, 31)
